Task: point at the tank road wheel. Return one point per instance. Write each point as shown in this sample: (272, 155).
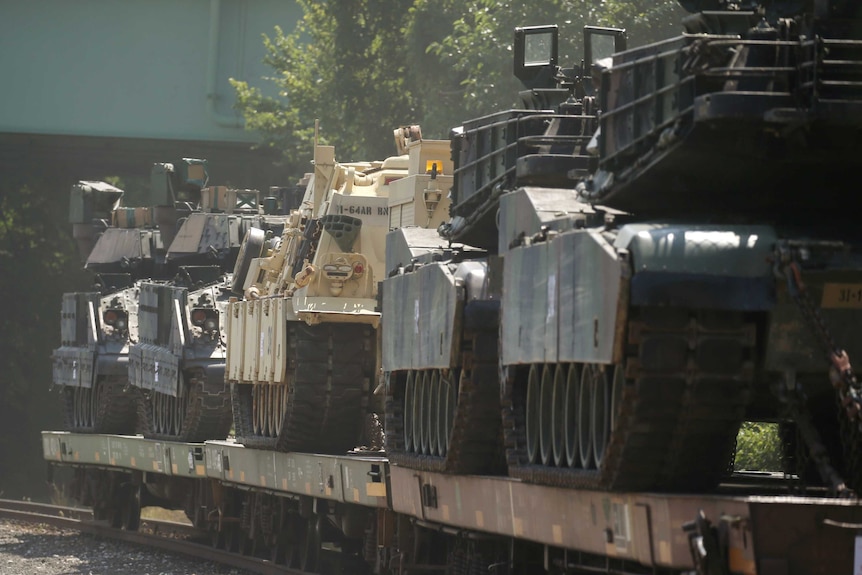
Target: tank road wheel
(663, 418)
(328, 373)
(448, 420)
(418, 393)
(617, 388)
(558, 412)
(546, 418)
(447, 400)
(423, 412)
(600, 413)
(570, 416)
(195, 415)
(107, 407)
(432, 411)
(534, 403)
(409, 399)
(585, 404)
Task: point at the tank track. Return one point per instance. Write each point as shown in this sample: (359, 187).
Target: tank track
(329, 373)
(688, 380)
(115, 411)
(475, 445)
(209, 415)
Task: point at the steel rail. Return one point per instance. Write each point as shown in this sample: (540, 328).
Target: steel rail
(81, 520)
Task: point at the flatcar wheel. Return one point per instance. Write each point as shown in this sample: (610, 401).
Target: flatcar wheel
(546, 419)
(295, 534)
(131, 507)
(600, 414)
(217, 539)
(558, 413)
(310, 547)
(585, 404)
(432, 415)
(534, 384)
(278, 548)
(570, 416)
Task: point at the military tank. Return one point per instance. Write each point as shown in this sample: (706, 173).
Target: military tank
(120, 245)
(648, 280)
(178, 360)
(303, 355)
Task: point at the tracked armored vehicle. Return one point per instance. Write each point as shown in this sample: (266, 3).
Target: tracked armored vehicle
(302, 357)
(178, 361)
(648, 285)
(120, 245)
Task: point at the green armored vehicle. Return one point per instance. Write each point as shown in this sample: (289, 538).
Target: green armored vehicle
(650, 279)
(120, 245)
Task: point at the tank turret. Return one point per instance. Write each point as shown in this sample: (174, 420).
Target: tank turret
(762, 92)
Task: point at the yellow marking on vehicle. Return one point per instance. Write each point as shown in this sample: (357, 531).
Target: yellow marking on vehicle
(133, 462)
(739, 563)
(558, 533)
(96, 456)
(841, 296)
(445, 512)
(199, 470)
(263, 481)
(517, 526)
(284, 484)
(155, 465)
(174, 469)
(480, 519)
(355, 494)
(664, 551)
(375, 489)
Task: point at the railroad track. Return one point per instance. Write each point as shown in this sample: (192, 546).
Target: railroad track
(168, 536)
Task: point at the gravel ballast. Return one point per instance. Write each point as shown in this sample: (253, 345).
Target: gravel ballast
(32, 549)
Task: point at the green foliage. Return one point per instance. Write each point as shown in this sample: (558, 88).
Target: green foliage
(758, 447)
(344, 65)
(39, 259)
(365, 67)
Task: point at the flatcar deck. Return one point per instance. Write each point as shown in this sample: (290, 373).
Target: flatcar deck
(761, 534)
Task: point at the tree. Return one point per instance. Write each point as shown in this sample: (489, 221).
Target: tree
(758, 447)
(344, 64)
(364, 68)
(38, 259)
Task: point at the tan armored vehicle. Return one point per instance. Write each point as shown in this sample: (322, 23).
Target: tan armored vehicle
(302, 355)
